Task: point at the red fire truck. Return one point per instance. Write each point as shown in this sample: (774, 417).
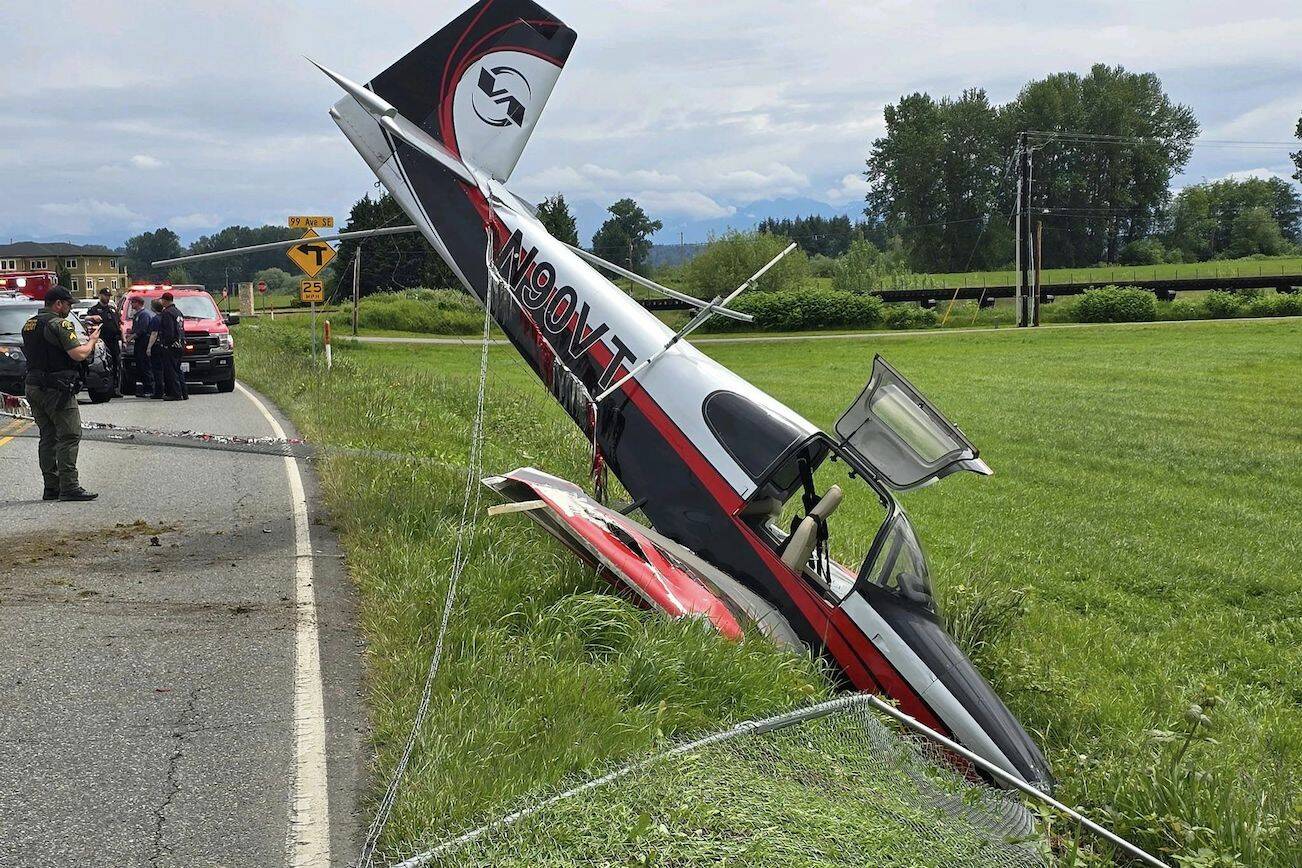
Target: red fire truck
(33, 284)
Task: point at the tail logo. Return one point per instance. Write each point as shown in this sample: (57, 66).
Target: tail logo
(501, 96)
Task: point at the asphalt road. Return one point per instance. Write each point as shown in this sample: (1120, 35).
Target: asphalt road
(159, 696)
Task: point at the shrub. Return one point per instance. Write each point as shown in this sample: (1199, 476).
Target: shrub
(1223, 305)
(807, 308)
(727, 261)
(1277, 304)
(1180, 310)
(865, 269)
(1115, 304)
(822, 266)
(425, 311)
(1144, 251)
(908, 316)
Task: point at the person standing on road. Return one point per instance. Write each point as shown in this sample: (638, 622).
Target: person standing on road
(141, 320)
(110, 333)
(157, 358)
(54, 357)
(171, 334)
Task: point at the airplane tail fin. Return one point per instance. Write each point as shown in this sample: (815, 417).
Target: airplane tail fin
(479, 85)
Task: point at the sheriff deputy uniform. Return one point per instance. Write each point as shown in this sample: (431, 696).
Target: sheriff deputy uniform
(54, 356)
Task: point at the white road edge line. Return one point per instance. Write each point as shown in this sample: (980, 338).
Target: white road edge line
(309, 809)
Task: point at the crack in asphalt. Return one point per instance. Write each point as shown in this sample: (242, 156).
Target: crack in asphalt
(183, 727)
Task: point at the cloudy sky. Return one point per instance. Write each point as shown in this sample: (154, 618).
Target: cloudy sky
(122, 115)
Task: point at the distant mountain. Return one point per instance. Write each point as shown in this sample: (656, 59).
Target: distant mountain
(691, 231)
(673, 255)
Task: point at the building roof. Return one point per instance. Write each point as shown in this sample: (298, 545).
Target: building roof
(57, 248)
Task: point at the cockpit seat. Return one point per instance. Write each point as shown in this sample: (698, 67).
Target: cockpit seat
(805, 538)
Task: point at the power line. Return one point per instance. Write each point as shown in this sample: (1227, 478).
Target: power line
(1077, 137)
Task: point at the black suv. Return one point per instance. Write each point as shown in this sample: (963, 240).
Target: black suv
(13, 363)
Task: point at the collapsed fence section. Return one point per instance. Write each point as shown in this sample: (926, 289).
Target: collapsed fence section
(836, 784)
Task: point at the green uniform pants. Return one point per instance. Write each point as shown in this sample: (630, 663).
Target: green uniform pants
(59, 421)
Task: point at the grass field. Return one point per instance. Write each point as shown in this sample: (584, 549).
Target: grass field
(1141, 539)
(1111, 273)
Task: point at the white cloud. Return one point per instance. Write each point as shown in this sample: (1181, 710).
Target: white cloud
(709, 110)
(196, 220)
(686, 203)
(852, 188)
(89, 208)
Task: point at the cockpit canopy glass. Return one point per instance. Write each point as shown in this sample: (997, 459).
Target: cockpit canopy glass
(898, 432)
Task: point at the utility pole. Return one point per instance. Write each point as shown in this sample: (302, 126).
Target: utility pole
(1039, 252)
(357, 270)
(1023, 230)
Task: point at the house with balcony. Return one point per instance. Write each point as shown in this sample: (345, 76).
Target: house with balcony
(87, 268)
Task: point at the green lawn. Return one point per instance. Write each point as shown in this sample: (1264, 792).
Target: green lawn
(1145, 501)
(1111, 274)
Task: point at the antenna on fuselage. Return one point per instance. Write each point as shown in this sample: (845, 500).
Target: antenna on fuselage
(718, 306)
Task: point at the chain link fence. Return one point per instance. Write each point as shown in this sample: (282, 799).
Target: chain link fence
(832, 785)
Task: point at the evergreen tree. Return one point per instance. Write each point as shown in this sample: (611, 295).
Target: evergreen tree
(1297, 155)
(556, 218)
(940, 176)
(390, 262)
(142, 250)
(216, 273)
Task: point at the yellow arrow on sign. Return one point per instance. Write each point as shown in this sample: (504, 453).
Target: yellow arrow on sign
(311, 256)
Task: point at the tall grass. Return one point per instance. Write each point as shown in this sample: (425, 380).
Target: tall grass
(545, 673)
(1135, 554)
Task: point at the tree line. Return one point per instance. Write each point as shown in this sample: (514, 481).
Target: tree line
(1107, 146)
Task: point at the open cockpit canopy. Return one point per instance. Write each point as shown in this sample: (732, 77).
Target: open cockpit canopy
(893, 428)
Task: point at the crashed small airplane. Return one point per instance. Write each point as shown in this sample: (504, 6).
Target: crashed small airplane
(741, 493)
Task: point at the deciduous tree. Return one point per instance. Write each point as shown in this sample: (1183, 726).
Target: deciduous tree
(148, 247)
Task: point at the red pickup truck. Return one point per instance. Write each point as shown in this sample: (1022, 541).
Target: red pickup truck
(209, 347)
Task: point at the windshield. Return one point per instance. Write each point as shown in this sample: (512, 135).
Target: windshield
(197, 307)
(901, 565)
(12, 317)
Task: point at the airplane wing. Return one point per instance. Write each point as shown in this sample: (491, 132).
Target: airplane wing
(654, 570)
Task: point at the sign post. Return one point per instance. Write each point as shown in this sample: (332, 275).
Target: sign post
(312, 291)
(311, 257)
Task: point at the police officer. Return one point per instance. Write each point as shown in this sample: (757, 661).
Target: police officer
(171, 334)
(110, 333)
(141, 320)
(157, 357)
(54, 357)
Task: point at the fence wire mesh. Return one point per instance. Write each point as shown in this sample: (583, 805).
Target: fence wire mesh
(845, 788)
